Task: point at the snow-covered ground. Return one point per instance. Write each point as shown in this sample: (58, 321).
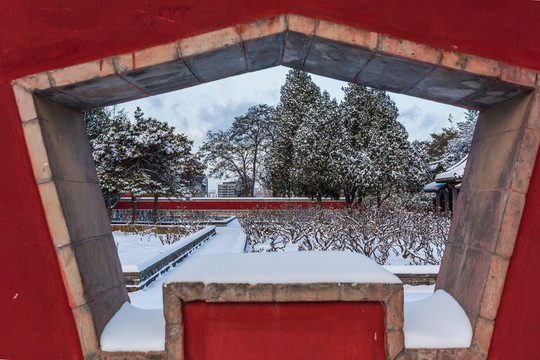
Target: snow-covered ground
(137, 252)
(437, 321)
(134, 329)
(227, 240)
(431, 320)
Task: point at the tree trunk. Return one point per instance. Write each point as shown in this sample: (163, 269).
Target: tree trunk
(245, 182)
(253, 175)
(378, 197)
(155, 207)
(319, 199)
(133, 209)
(350, 193)
(347, 199)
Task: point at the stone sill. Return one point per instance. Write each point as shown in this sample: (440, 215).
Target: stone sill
(138, 280)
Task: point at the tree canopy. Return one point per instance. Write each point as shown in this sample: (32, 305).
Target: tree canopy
(356, 147)
(239, 150)
(141, 157)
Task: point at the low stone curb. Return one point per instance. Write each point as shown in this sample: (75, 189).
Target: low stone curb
(417, 279)
(131, 355)
(138, 280)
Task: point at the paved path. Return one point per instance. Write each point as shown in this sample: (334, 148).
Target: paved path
(225, 241)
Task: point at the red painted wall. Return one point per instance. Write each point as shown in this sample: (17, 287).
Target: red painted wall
(227, 204)
(269, 331)
(518, 322)
(35, 317)
(35, 321)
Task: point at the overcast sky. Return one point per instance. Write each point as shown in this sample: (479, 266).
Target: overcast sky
(213, 106)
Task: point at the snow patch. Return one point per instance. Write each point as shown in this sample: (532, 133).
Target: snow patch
(136, 253)
(134, 329)
(455, 172)
(227, 239)
(437, 321)
(282, 267)
(417, 292)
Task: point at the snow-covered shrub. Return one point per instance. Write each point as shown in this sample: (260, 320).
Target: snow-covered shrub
(393, 230)
(179, 223)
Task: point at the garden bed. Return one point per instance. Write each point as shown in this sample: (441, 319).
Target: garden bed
(145, 256)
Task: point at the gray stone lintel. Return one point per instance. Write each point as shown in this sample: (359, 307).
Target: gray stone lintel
(334, 59)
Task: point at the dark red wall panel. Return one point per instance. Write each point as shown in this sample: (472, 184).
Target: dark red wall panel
(35, 317)
(269, 331)
(518, 322)
(54, 33)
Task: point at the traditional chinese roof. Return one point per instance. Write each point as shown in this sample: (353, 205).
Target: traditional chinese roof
(434, 187)
(453, 174)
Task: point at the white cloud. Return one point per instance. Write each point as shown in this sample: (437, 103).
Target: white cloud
(213, 106)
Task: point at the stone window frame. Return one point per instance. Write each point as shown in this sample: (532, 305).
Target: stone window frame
(51, 102)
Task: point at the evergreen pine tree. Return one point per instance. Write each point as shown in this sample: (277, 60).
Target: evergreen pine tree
(111, 149)
(144, 157)
(316, 149)
(373, 132)
(157, 160)
(299, 95)
(460, 146)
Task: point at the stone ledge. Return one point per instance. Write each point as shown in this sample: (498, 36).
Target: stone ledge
(138, 280)
(240, 292)
(130, 355)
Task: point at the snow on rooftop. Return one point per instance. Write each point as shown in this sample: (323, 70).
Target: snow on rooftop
(454, 172)
(434, 165)
(434, 186)
(437, 321)
(134, 329)
(282, 267)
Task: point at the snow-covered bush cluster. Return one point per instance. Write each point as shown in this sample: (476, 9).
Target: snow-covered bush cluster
(391, 230)
(179, 223)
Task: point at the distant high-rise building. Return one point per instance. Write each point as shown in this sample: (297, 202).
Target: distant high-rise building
(227, 189)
